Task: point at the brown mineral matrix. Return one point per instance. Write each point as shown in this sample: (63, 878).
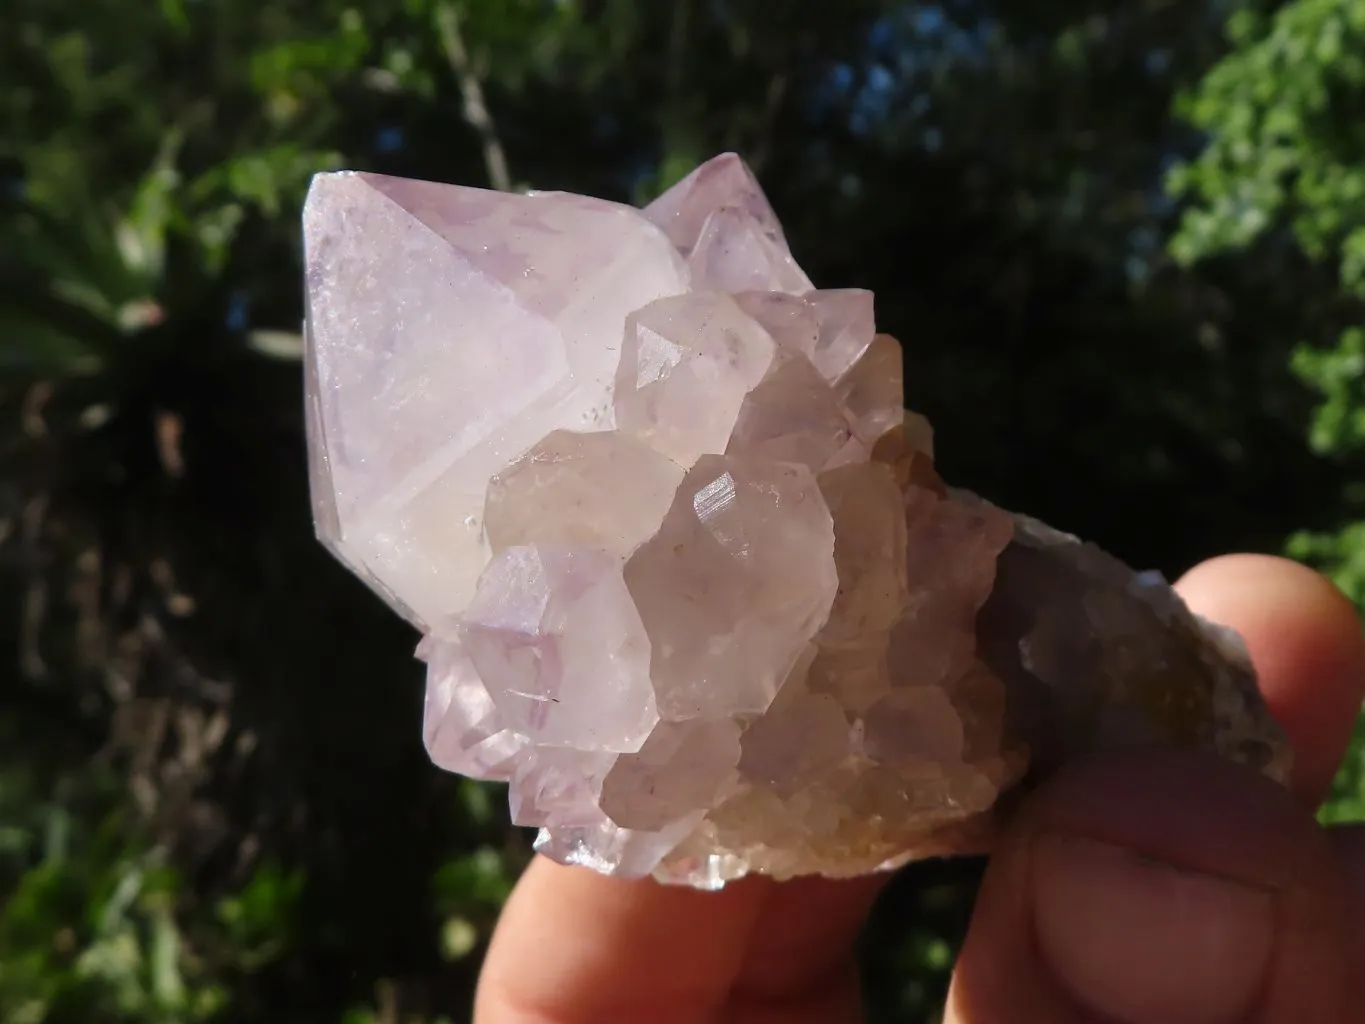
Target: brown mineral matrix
(1062, 610)
(688, 578)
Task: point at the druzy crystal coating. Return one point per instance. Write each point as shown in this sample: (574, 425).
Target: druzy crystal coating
(686, 575)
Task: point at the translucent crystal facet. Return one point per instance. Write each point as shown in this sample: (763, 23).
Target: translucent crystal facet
(686, 366)
(690, 580)
(735, 253)
(871, 389)
(723, 224)
(462, 728)
(726, 181)
(606, 490)
(830, 328)
(739, 577)
(681, 771)
(556, 638)
(791, 416)
(450, 329)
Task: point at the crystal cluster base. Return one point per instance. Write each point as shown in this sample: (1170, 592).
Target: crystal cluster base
(687, 577)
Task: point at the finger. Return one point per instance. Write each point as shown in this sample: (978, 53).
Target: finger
(800, 965)
(1307, 645)
(1157, 888)
(1349, 843)
(572, 946)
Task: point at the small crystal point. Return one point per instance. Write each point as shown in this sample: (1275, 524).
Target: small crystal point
(692, 583)
(830, 328)
(847, 327)
(791, 416)
(723, 181)
(462, 729)
(872, 389)
(734, 253)
(738, 579)
(720, 220)
(558, 641)
(686, 366)
(791, 320)
(559, 788)
(611, 850)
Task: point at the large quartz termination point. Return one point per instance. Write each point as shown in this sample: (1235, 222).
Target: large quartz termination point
(688, 579)
(450, 330)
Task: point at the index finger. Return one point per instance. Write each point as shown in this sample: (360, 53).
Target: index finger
(575, 947)
(1305, 640)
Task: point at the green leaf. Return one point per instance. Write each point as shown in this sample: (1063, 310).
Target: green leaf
(459, 937)
(141, 233)
(168, 987)
(33, 347)
(480, 878)
(283, 345)
(174, 13)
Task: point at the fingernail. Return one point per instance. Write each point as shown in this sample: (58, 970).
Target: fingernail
(1140, 941)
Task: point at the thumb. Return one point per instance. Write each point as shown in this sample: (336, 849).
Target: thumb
(1157, 888)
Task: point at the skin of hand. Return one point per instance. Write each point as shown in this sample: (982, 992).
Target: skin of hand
(1138, 889)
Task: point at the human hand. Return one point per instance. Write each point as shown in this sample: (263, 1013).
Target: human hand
(1143, 889)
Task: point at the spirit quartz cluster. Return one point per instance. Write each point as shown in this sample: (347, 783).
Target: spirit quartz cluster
(687, 577)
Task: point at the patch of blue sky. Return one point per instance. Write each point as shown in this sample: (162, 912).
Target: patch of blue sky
(389, 139)
(238, 311)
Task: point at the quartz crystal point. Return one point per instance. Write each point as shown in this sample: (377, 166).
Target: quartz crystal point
(688, 578)
(451, 330)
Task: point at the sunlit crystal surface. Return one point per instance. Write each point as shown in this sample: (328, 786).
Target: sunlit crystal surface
(605, 490)
(737, 580)
(685, 368)
(871, 389)
(792, 416)
(725, 182)
(556, 638)
(681, 772)
(451, 329)
(831, 328)
(735, 253)
(462, 728)
(690, 581)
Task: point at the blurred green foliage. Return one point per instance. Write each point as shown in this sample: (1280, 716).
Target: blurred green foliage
(1123, 242)
(1284, 167)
